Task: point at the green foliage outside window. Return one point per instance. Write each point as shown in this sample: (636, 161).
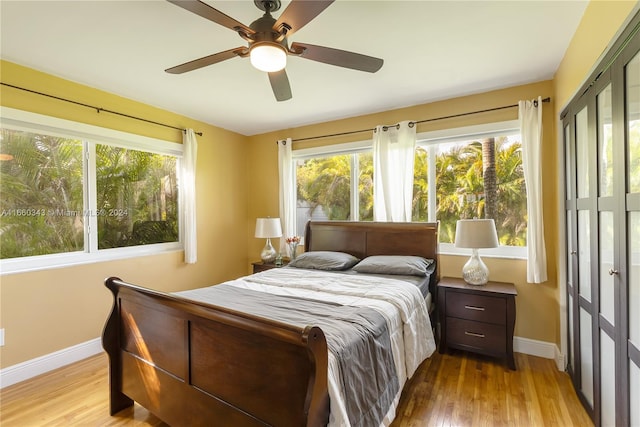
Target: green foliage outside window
(461, 194)
(137, 196)
(323, 183)
(326, 182)
(42, 196)
(365, 186)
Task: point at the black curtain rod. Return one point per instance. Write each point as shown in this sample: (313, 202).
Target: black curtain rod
(98, 109)
(420, 121)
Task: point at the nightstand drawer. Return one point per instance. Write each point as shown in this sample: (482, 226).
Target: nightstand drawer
(476, 307)
(471, 335)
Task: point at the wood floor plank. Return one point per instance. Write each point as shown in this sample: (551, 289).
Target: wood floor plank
(462, 389)
(457, 389)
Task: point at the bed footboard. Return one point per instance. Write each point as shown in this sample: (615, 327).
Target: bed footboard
(193, 363)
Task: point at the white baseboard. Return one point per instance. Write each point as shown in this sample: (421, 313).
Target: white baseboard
(43, 364)
(40, 365)
(541, 349)
(561, 360)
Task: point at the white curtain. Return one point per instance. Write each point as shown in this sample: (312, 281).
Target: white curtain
(393, 154)
(287, 193)
(188, 196)
(530, 117)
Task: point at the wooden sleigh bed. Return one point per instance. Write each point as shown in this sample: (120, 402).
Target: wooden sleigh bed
(195, 363)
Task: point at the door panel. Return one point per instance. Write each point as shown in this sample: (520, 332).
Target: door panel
(584, 255)
(586, 356)
(570, 293)
(634, 393)
(605, 143)
(572, 350)
(633, 123)
(634, 278)
(631, 203)
(607, 380)
(582, 153)
(607, 297)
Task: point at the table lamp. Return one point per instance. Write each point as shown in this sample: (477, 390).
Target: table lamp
(476, 234)
(268, 228)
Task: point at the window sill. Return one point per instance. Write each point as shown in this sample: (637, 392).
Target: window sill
(505, 252)
(48, 262)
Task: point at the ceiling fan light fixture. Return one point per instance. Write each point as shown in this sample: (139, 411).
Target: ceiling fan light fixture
(268, 57)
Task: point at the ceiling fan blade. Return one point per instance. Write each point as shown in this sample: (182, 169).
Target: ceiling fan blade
(280, 85)
(300, 12)
(208, 12)
(340, 58)
(204, 61)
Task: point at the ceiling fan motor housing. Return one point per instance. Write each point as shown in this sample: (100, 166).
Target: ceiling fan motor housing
(264, 27)
(267, 5)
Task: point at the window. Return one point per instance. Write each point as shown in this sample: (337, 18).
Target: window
(41, 190)
(449, 183)
(136, 197)
(73, 193)
(478, 176)
(336, 186)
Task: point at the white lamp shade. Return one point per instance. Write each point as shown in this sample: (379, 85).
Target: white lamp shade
(268, 57)
(476, 234)
(268, 227)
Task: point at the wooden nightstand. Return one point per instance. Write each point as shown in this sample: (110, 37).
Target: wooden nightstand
(477, 318)
(261, 266)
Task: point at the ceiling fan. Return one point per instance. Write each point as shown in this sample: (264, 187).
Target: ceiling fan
(268, 46)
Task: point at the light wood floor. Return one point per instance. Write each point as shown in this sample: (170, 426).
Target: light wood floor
(462, 389)
(448, 390)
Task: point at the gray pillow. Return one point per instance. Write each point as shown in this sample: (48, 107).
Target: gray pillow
(394, 264)
(324, 260)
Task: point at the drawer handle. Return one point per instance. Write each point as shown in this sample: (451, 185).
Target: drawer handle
(473, 307)
(473, 334)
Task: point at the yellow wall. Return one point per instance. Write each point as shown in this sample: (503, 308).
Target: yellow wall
(53, 309)
(600, 24)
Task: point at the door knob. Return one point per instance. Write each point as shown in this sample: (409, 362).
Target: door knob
(613, 272)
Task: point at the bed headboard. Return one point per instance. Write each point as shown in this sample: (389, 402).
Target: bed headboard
(362, 239)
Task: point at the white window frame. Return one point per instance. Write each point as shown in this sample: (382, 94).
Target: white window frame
(91, 135)
(428, 140)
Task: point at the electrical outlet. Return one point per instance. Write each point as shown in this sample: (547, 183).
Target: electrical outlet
(1, 337)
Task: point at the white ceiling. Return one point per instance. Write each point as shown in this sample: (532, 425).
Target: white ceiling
(432, 50)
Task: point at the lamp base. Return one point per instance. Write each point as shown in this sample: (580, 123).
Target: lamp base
(475, 271)
(268, 254)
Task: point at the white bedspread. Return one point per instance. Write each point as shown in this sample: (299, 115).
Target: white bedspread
(401, 303)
